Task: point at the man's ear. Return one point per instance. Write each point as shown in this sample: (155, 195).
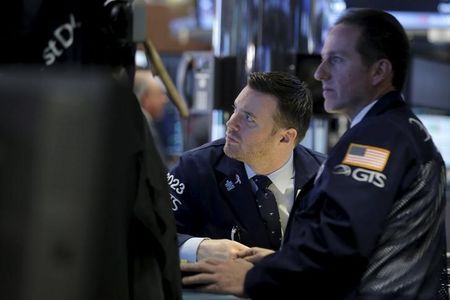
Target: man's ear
(381, 70)
(288, 136)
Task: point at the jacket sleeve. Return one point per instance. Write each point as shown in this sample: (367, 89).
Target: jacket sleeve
(183, 204)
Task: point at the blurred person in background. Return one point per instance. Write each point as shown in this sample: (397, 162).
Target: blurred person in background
(162, 116)
(152, 97)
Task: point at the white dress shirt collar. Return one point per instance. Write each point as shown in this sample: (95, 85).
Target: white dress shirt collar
(281, 178)
(362, 113)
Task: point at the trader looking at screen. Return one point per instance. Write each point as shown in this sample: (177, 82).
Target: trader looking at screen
(218, 206)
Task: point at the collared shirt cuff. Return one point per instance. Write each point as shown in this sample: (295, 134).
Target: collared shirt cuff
(188, 250)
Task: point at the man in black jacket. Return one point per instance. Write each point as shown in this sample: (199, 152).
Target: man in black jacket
(212, 187)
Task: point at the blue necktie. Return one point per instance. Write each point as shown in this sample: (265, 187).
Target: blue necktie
(269, 209)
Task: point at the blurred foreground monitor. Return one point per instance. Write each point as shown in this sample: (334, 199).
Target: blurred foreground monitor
(64, 196)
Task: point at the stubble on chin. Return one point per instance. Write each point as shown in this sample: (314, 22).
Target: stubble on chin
(227, 151)
(230, 152)
(329, 106)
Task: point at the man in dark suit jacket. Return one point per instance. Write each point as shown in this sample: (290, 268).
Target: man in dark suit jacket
(211, 188)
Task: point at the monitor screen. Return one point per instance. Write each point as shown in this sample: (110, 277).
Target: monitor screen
(397, 5)
(439, 128)
(205, 14)
(428, 83)
(413, 15)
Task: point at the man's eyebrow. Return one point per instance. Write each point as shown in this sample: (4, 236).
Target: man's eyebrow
(329, 53)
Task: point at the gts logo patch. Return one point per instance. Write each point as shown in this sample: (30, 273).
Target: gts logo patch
(362, 175)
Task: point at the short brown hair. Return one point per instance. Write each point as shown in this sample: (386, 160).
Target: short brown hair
(295, 104)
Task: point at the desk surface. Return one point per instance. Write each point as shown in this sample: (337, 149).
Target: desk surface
(191, 295)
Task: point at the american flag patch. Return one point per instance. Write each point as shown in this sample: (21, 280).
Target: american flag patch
(368, 157)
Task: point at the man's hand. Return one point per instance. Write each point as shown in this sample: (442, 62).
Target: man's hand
(220, 249)
(254, 254)
(218, 276)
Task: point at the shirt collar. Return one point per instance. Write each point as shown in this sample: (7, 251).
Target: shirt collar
(147, 115)
(281, 178)
(362, 113)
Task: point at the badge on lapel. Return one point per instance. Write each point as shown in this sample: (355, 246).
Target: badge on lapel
(230, 184)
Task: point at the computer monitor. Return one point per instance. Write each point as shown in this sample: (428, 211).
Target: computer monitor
(64, 184)
(397, 5)
(428, 83)
(205, 11)
(438, 125)
(413, 15)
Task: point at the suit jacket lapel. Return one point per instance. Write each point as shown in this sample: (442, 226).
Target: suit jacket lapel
(305, 173)
(236, 189)
(305, 169)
